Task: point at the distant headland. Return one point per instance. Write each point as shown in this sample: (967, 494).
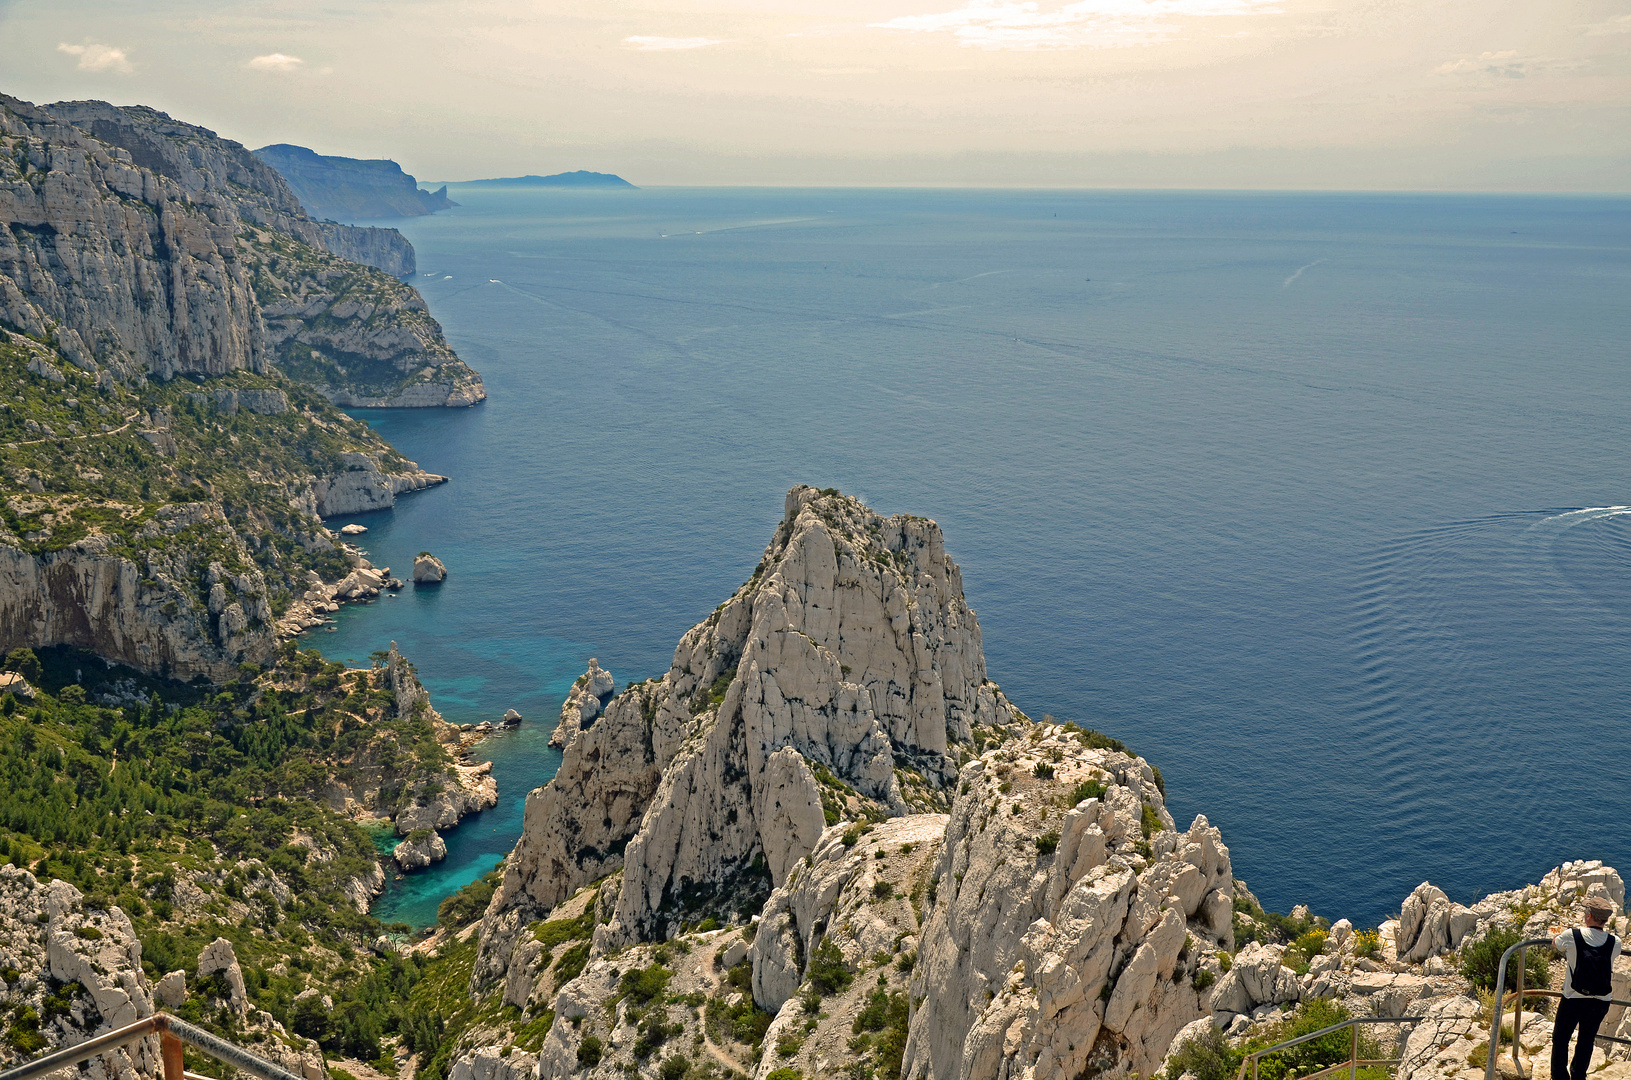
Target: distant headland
(579, 179)
(350, 189)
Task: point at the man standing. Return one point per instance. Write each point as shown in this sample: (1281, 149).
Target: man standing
(1591, 951)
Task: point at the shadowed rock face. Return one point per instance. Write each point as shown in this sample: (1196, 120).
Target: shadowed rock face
(851, 649)
(351, 188)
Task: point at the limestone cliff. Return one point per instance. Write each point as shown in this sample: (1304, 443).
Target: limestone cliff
(849, 665)
(1070, 919)
(383, 249)
(139, 245)
(165, 527)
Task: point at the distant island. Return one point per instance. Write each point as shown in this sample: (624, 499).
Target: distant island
(580, 178)
(348, 189)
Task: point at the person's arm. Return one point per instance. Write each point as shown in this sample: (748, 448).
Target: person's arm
(1563, 945)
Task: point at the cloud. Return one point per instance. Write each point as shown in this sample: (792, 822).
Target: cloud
(1027, 24)
(94, 57)
(1492, 63)
(658, 44)
(276, 62)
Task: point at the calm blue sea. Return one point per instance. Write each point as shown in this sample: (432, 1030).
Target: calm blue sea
(1315, 500)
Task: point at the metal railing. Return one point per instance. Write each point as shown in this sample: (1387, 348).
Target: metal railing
(1519, 994)
(172, 1034)
(1353, 1063)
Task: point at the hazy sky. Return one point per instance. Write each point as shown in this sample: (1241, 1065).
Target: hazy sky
(1470, 94)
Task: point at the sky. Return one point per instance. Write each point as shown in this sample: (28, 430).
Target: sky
(1477, 95)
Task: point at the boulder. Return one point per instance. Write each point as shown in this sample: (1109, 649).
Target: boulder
(428, 569)
(511, 718)
(172, 989)
(218, 956)
(353, 529)
(417, 851)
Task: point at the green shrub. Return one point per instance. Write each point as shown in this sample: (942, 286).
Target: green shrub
(1203, 979)
(707, 925)
(589, 1052)
(1048, 842)
(1087, 789)
(882, 890)
(674, 1067)
(785, 1073)
(1368, 944)
(828, 972)
(1207, 1056)
(1149, 822)
(1320, 1053)
(789, 1044)
(1481, 961)
(640, 985)
(1042, 771)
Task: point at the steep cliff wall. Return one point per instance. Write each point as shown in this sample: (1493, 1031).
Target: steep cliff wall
(383, 249)
(119, 263)
(351, 188)
(142, 245)
(847, 667)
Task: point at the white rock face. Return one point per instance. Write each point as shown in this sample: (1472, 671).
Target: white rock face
(171, 990)
(365, 485)
(489, 1064)
(1024, 938)
(218, 955)
(589, 695)
(141, 615)
(851, 647)
(47, 932)
(836, 887)
(413, 854)
(428, 569)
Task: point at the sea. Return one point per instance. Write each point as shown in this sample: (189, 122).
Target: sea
(1317, 501)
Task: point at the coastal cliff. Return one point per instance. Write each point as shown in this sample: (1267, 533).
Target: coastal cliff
(351, 188)
(170, 526)
(139, 245)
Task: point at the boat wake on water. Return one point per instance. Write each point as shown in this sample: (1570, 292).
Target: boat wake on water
(1488, 653)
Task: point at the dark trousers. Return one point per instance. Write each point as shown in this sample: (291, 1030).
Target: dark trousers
(1587, 1015)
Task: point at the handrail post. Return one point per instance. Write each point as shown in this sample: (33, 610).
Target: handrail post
(170, 1052)
(1353, 1055)
(1517, 1011)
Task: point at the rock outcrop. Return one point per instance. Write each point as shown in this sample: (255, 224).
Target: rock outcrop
(146, 614)
(55, 946)
(848, 663)
(586, 701)
(364, 485)
(419, 849)
(1070, 919)
(428, 569)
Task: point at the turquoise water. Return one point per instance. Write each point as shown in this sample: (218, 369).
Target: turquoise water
(1284, 490)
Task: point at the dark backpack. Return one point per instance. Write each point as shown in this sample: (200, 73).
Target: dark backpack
(1592, 974)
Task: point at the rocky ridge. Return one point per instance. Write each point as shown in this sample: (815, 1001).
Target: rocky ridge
(342, 187)
(849, 655)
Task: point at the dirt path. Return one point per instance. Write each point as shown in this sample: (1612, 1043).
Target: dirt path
(131, 419)
(719, 1055)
